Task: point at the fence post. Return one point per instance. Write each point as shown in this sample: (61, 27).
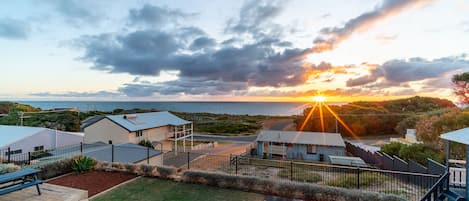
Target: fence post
(236, 165)
(148, 155)
(188, 160)
(358, 178)
(9, 154)
(291, 170)
(81, 147)
(231, 157)
(29, 158)
(112, 153)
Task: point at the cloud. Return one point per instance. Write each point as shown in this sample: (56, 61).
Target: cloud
(253, 15)
(200, 60)
(179, 87)
(330, 37)
(14, 29)
(398, 71)
(77, 94)
(157, 16)
(77, 13)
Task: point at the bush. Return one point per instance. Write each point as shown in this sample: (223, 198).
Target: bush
(306, 191)
(130, 168)
(166, 172)
(300, 174)
(147, 170)
(416, 152)
(83, 164)
(366, 179)
(7, 168)
(146, 143)
(56, 168)
(392, 148)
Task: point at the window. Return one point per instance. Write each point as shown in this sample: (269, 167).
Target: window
(18, 151)
(39, 148)
(311, 149)
(139, 133)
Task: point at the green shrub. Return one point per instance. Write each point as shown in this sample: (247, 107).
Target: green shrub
(7, 168)
(146, 143)
(392, 148)
(366, 179)
(83, 164)
(299, 174)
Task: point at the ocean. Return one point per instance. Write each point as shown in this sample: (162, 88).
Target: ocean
(240, 108)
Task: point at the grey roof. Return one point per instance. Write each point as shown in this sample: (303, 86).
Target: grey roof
(142, 121)
(123, 153)
(298, 137)
(459, 136)
(91, 120)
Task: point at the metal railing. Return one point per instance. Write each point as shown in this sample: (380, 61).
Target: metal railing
(413, 186)
(437, 188)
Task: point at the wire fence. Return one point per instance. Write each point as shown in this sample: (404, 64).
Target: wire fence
(413, 186)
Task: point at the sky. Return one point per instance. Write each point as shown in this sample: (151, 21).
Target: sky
(347, 50)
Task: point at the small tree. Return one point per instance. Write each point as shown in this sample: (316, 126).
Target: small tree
(461, 86)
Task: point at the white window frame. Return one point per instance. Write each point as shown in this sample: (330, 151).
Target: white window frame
(311, 149)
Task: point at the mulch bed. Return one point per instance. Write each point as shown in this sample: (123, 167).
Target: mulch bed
(94, 182)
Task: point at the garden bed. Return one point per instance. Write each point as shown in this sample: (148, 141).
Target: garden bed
(94, 182)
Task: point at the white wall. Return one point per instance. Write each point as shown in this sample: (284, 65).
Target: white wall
(45, 138)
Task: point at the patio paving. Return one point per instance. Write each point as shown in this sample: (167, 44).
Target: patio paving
(49, 192)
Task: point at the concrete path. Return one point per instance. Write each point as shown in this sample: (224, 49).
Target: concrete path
(50, 192)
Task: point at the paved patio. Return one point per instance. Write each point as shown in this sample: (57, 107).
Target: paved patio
(50, 192)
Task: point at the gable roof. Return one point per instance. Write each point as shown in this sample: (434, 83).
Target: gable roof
(298, 137)
(459, 136)
(11, 134)
(142, 121)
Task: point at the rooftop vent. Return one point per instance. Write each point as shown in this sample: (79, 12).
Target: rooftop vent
(130, 116)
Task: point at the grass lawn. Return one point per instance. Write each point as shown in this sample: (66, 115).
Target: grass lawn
(159, 190)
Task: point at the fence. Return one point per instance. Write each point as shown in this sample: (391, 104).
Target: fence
(125, 153)
(386, 162)
(411, 185)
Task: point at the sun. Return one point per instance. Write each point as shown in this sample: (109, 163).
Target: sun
(319, 98)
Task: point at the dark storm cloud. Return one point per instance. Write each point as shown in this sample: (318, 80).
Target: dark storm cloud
(14, 29)
(396, 72)
(157, 16)
(76, 94)
(330, 37)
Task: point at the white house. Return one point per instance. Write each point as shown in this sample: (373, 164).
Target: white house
(312, 146)
(133, 128)
(24, 139)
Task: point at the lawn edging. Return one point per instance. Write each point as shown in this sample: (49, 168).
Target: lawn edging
(293, 190)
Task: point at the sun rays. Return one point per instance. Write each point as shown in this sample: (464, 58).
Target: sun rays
(319, 103)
